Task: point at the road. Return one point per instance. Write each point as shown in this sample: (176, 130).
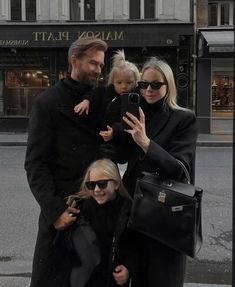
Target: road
(19, 215)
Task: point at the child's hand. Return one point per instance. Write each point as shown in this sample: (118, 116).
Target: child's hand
(107, 135)
(83, 106)
(121, 274)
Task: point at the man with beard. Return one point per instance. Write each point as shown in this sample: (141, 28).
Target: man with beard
(60, 147)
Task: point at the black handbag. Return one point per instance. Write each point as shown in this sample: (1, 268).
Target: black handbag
(168, 211)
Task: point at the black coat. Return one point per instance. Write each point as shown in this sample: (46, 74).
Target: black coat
(173, 135)
(118, 245)
(61, 144)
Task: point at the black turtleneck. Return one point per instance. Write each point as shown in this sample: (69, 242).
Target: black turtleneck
(152, 109)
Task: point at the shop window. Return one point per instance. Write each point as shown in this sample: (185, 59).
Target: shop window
(220, 13)
(23, 10)
(222, 93)
(82, 10)
(21, 88)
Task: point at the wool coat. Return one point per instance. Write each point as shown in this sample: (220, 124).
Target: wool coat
(173, 135)
(61, 145)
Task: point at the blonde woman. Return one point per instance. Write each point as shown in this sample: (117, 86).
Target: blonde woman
(165, 134)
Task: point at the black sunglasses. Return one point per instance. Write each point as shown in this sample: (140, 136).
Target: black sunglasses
(101, 184)
(154, 85)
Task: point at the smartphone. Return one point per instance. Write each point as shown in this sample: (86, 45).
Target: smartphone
(129, 103)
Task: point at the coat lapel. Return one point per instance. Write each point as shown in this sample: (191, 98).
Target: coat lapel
(157, 123)
(66, 108)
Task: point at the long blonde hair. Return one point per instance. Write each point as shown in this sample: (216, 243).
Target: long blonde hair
(161, 66)
(120, 63)
(109, 169)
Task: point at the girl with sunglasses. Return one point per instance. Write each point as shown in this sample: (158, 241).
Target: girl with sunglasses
(106, 206)
(164, 135)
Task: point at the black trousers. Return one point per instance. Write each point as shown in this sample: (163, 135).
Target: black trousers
(160, 266)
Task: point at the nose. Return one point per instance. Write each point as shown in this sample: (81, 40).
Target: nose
(97, 188)
(98, 70)
(149, 87)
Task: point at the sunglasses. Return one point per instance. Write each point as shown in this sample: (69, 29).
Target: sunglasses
(102, 184)
(154, 85)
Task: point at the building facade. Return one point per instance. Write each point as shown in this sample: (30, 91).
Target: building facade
(35, 36)
(215, 65)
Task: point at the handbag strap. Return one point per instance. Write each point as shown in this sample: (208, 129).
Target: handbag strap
(185, 171)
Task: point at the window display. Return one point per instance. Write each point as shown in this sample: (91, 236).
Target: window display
(21, 88)
(222, 92)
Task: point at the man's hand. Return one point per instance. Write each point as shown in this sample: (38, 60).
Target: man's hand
(66, 218)
(121, 274)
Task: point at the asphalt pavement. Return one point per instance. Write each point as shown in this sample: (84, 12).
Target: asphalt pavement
(19, 139)
(16, 139)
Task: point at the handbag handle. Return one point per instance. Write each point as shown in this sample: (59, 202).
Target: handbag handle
(185, 171)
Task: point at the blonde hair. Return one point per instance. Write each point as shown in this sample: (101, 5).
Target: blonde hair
(109, 169)
(166, 71)
(119, 63)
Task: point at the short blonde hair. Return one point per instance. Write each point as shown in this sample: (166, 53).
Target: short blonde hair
(120, 64)
(167, 73)
(110, 169)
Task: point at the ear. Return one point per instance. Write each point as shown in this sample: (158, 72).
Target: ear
(73, 60)
(116, 186)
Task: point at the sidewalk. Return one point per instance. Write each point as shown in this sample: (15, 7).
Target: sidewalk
(17, 139)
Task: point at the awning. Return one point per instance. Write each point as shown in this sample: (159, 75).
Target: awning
(219, 41)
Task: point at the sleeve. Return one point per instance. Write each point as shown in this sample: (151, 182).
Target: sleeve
(95, 97)
(181, 146)
(39, 160)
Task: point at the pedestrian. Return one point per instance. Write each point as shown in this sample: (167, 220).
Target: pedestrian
(123, 78)
(60, 147)
(106, 206)
(164, 135)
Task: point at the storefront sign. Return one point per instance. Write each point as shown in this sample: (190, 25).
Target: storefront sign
(116, 35)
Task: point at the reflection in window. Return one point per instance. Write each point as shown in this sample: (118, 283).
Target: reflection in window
(30, 10)
(75, 10)
(89, 9)
(16, 10)
(82, 10)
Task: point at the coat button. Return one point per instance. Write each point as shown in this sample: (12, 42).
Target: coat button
(74, 147)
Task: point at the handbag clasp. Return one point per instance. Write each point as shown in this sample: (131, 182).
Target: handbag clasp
(162, 197)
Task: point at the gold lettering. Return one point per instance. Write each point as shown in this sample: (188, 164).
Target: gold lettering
(109, 36)
(64, 36)
(104, 35)
(118, 35)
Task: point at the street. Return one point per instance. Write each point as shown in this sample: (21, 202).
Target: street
(19, 214)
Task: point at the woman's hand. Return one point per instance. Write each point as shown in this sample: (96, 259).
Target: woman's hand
(121, 274)
(137, 129)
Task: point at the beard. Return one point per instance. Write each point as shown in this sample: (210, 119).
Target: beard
(87, 78)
